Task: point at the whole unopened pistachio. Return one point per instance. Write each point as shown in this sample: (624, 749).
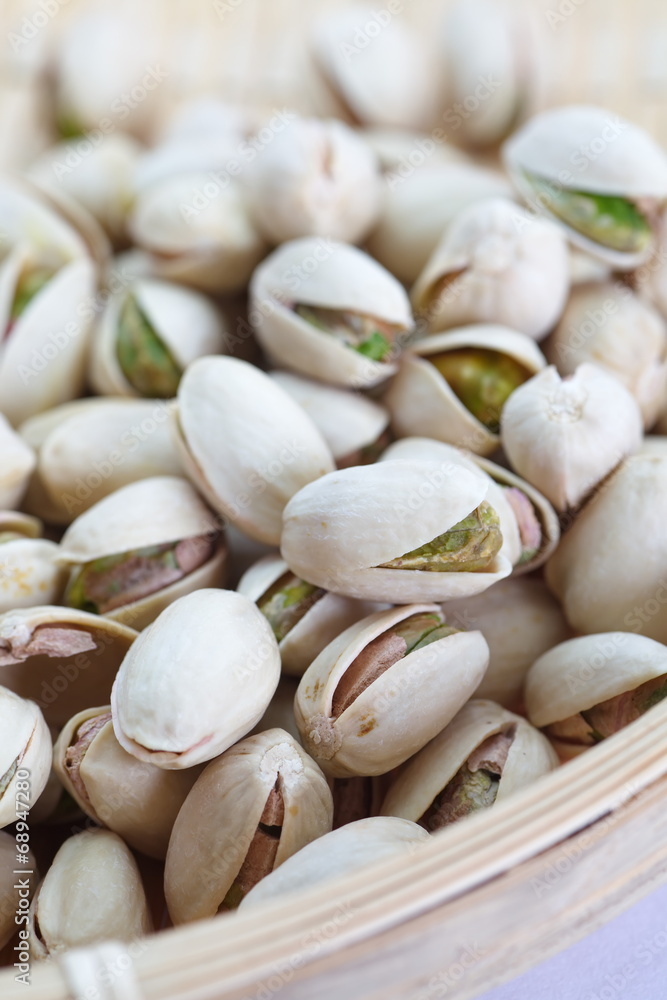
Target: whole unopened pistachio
(329, 311)
(91, 893)
(245, 443)
(384, 688)
(495, 264)
(9, 898)
(25, 755)
(601, 177)
(196, 681)
(352, 848)
(18, 461)
(396, 531)
(29, 571)
(484, 755)
(250, 810)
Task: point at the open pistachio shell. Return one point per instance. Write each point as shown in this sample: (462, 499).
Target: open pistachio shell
(9, 896)
(29, 571)
(343, 532)
(25, 746)
(320, 274)
(384, 688)
(250, 810)
(18, 462)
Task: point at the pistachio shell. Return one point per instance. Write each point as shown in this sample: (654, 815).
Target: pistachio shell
(29, 573)
(25, 746)
(9, 898)
(18, 461)
(22, 524)
(393, 146)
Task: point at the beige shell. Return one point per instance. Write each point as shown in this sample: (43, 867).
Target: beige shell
(220, 817)
(25, 750)
(566, 435)
(609, 570)
(421, 401)
(583, 672)
(196, 681)
(400, 711)
(349, 849)
(138, 801)
(501, 265)
(339, 530)
(319, 626)
(11, 898)
(394, 147)
(22, 524)
(530, 757)
(29, 573)
(91, 893)
(185, 321)
(321, 272)
(607, 324)
(245, 443)
(588, 149)
(65, 660)
(18, 462)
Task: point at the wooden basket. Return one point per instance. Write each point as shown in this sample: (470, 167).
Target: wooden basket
(486, 899)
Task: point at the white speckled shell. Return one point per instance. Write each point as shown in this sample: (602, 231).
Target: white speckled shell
(25, 739)
(18, 462)
(30, 573)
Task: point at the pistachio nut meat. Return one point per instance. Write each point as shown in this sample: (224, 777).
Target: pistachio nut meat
(196, 681)
(361, 707)
(251, 809)
(396, 531)
(9, 899)
(29, 570)
(91, 893)
(25, 755)
(18, 463)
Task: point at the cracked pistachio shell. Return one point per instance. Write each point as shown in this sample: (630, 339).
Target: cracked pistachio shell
(91, 893)
(90, 448)
(351, 848)
(196, 681)
(330, 275)
(136, 800)
(609, 568)
(496, 264)
(8, 893)
(25, 744)
(185, 323)
(610, 326)
(327, 618)
(339, 531)
(220, 818)
(419, 783)
(566, 435)
(150, 512)
(246, 444)
(29, 572)
(400, 711)
(348, 421)
(315, 178)
(588, 149)
(18, 462)
(422, 402)
(418, 208)
(65, 660)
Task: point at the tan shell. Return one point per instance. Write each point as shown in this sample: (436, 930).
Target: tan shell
(30, 573)
(65, 660)
(91, 893)
(580, 673)
(394, 146)
(25, 741)
(332, 275)
(138, 801)
(421, 401)
(339, 530)
(10, 897)
(400, 711)
(503, 265)
(220, 816)
(196, 681)
(245, 443)
(18, 462)
(530, 757)
(565, 436)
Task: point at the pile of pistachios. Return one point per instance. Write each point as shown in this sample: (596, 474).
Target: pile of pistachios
(332, 476)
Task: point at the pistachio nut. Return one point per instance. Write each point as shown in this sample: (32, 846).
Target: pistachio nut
(393, 145)
(453, 386)
(25, 755)
(25, 119)
(280, 710)
(245, 443)
(139, 549)
(610, 326)
(331, 312)
(196, 681)
(483, 756)
(609, 204)
(136, 800)
(91, 893)
(495, 264)
(383, 688)
(566, 435)
(352, 848)
(251, 809)
(18, 462)
(396, 531)
(29, 570)
(9, 899)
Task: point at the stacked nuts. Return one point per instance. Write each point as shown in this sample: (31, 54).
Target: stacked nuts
(309, 549)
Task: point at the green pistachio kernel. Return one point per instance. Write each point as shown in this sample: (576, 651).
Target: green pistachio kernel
(287, 601)
(30, 283)
(368, 335)
(421, 630)
(146, 362)
(467, 792)
(482, 380)
(608, 717)
(469, 546)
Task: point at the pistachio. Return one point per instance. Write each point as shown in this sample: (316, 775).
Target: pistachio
(482, 379)
(286, 602)
(30, 282)
(18, 463)
(29, 571)
(469, 546)
(146, 362)
(530, 529)
(26, 747)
